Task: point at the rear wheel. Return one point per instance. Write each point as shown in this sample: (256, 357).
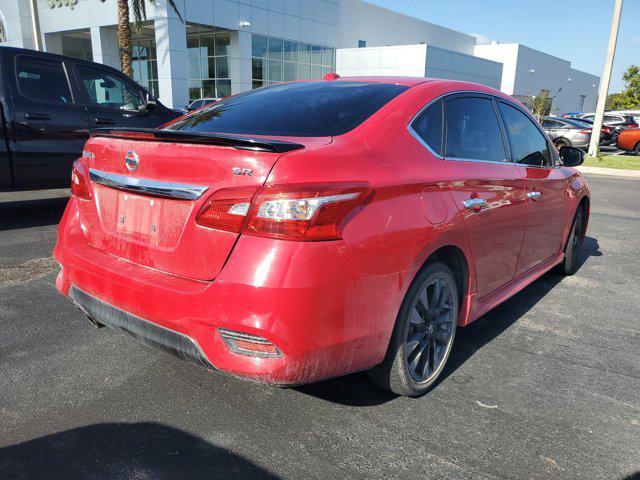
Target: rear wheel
(423, 335)
(561, 142)
(569, 265)
(636, 149)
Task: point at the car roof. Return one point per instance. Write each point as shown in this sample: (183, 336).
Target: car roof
(405, 81)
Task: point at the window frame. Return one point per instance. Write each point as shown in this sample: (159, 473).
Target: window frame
(126, 80)
(418, 137)
(65, 69)
(505, 144)
(537, 125)
(506, 141)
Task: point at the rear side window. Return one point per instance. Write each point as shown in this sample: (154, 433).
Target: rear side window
(42, 80)
(472, 130)
(304, 109)
(528, 145)
(428, 126)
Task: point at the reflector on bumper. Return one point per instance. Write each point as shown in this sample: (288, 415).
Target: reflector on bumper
(247, 344)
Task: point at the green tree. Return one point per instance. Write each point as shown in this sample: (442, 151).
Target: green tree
(139, 9)
(541, 104)
(629, 98)
(618, 101)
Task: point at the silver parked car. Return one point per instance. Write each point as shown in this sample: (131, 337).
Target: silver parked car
(572, 132)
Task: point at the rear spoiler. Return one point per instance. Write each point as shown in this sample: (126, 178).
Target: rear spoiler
(221, 139)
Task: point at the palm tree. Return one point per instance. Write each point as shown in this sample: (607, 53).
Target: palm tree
(124, 28)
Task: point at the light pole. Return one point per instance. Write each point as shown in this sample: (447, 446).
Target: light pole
(606, 78)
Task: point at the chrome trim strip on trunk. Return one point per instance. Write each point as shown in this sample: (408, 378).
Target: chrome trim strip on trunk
(147, 187)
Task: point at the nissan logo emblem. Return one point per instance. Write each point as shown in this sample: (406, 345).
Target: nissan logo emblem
(132, 161)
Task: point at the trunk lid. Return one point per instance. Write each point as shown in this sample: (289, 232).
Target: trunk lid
(147, 216)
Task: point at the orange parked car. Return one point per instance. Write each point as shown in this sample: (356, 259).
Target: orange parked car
(629, 140)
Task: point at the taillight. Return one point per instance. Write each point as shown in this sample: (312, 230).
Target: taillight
(80, 181)
(227, 209)
(292, 212)
(586, 132)
(304, 212)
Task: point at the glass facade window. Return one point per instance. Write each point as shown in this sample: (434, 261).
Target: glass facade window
(145, 65)
(209, 75)
(275, 60)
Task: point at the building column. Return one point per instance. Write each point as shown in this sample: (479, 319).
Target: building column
(240, 62)
(104, 46)
(171, 48)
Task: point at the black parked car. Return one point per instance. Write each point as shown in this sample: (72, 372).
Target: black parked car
(49, 104)
(616, 122)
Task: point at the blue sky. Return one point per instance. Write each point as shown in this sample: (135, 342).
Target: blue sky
(576, 30)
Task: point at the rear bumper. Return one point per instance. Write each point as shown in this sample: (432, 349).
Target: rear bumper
(323, 315)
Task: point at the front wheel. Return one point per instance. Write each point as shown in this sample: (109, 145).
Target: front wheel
(423, 335)
(561, 142)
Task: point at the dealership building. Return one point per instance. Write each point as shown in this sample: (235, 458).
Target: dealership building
(225, 47)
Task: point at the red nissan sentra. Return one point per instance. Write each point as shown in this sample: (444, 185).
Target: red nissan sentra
(311, 229)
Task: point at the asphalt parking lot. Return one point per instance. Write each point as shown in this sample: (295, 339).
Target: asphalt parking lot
(545, 386)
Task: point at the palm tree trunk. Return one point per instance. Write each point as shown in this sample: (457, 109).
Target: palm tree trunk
(124, 38)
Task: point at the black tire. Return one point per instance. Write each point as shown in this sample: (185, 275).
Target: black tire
(423, 334)
(569, 265)
(636, 149)
(561, 142)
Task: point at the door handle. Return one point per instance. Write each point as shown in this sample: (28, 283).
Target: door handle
(535, 196)
(103, 121)
(475, 203)
(37, 116)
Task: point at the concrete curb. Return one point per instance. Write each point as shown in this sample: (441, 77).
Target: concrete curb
(614, 172)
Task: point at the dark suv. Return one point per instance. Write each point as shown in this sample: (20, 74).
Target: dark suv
(49, 104)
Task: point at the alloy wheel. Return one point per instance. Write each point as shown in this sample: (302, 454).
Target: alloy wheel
(430, 330)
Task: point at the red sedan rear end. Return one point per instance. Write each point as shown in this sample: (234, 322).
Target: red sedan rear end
(313, 229)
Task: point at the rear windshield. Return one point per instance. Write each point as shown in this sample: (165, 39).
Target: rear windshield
(305, 109)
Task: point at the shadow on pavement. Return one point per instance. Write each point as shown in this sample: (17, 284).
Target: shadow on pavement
(357, 390)
(124, 450)
(31, 213)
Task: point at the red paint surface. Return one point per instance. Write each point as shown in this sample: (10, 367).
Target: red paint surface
(329, 306)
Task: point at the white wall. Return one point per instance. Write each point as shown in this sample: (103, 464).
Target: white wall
(381, 27)
(403, 60)
(17, 22)
(417, 61)
(527, 71)
(507, 54)
(442, 63)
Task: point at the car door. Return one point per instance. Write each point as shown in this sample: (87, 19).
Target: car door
(545, 184)
(488, 190)
(50, 125)
(553, 128)
(114, 101)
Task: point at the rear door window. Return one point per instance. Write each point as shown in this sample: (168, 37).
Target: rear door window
(528, 145)
(303, 109)
(472, 130)
(43, 80)
(108, 90)
(428, 126)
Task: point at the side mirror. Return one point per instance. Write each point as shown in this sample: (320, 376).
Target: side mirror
(149, 102)
(571, 156)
